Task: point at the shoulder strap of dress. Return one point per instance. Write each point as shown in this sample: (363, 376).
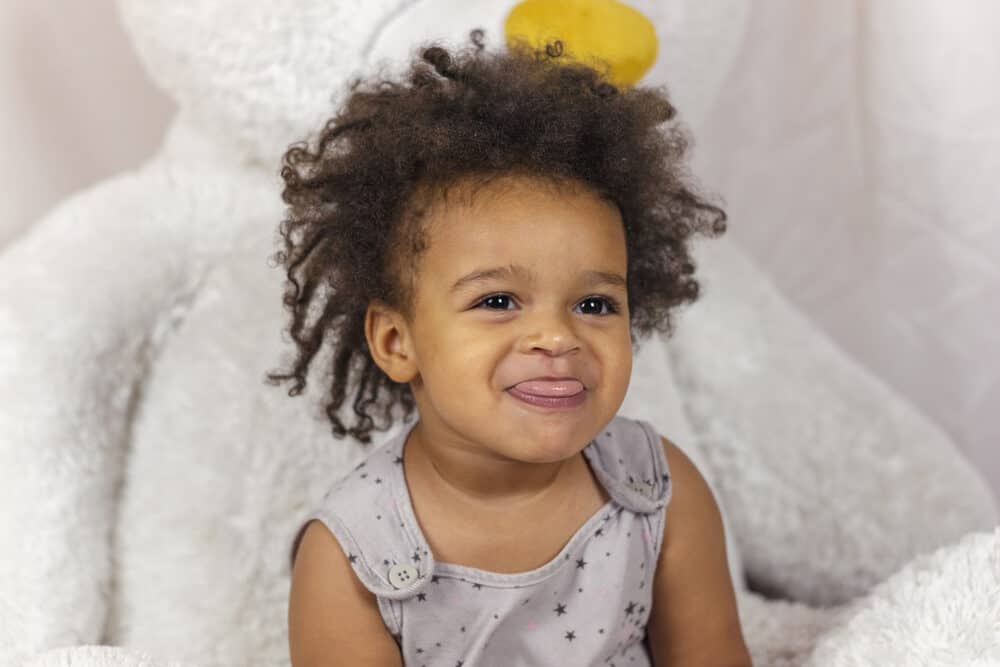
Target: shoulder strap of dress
(627, 457)
(369, 512)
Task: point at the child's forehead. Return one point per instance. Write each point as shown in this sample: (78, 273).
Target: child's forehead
(525, 233)
(521, 221)
(585, 276)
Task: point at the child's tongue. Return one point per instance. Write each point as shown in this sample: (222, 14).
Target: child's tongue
(550, 387)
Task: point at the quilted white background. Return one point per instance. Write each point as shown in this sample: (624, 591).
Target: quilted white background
(856, 146)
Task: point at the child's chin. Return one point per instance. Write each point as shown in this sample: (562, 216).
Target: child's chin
(553, 435)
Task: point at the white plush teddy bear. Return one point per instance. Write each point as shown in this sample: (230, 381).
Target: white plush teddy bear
(150, 481)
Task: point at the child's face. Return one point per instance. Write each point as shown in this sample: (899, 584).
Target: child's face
(470, 341)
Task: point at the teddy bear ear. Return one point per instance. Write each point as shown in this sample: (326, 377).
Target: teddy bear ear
(608, 31)
(264, 80)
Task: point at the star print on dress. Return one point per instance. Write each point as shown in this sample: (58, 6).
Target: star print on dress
(602, 597)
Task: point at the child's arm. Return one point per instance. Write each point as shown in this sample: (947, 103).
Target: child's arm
(694, 619)
(332, 618)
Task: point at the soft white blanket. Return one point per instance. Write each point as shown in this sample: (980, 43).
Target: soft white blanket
(942, 609)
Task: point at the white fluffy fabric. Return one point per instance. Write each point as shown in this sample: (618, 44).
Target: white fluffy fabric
(150, 482)
(810, 450)
(941, 609)
(98, 656)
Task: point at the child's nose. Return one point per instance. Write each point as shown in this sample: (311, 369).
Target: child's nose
(550, 332)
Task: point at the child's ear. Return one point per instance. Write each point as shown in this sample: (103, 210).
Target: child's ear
(390, 342)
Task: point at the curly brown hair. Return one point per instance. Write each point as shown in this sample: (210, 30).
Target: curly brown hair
(355, 200)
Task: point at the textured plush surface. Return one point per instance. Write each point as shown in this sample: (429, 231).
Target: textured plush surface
(150, 481)
(97, 656)
(259, 76)
(811, 451)
(914, 627)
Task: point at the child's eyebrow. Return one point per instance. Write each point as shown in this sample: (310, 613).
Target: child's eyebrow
(590, 278)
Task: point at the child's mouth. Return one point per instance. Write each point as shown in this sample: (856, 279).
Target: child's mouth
(558, 401)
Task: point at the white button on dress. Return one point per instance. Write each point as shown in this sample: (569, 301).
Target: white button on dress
(402, 576)
(641, 489)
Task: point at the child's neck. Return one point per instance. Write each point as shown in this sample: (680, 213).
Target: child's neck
(493, 514)
(481, 477)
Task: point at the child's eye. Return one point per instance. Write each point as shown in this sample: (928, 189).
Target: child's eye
(592, 301)
(497, 301)
(592, 305)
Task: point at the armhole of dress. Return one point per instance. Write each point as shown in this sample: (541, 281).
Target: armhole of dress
(660, 530)
(660, 517)
(390, 610)
(343, 537)
(316, 515)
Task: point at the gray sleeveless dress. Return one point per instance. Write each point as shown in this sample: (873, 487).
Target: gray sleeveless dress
(587, 606)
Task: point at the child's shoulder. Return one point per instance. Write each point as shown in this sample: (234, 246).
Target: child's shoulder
(324, 586)
(369, 512)
(370, 476)
(629, 458)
